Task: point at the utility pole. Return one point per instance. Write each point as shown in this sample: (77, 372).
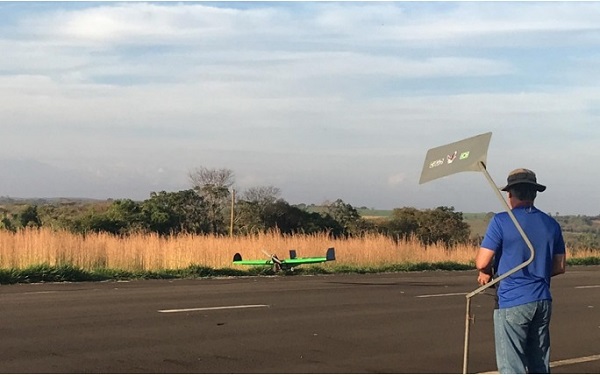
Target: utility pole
(232, 206)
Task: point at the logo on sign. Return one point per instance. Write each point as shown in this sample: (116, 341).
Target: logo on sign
(452, 157)
(436, 163)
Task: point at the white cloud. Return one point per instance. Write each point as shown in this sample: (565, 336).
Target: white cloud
(149, 23)
(501, 23)
(315, 98)
(396, 179)
(146, 23)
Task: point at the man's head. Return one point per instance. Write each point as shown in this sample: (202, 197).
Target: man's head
(522, 185)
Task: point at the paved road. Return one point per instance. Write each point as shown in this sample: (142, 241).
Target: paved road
(386, 323)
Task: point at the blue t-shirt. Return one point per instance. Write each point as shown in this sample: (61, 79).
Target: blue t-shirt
(531, 283)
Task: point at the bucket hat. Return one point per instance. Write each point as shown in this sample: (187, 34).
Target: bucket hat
(522, 176)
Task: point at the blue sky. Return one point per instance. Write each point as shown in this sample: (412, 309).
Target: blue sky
(323, 100)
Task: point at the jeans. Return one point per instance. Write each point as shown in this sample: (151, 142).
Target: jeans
(522, 336)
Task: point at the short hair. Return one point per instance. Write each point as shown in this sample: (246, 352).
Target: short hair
(523, 192)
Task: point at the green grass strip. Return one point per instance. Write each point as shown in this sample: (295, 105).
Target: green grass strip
(67, 273)
(590, 261)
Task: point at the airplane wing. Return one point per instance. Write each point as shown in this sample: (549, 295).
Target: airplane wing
(299, 261)
(293, 261)
(296, 261)
(259, 262)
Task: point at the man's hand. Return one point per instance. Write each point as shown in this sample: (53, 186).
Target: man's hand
(483, 262)
(483, 278)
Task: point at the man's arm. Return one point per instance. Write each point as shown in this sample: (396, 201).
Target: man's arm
(483, 262)
(559, 260)
(559, 264)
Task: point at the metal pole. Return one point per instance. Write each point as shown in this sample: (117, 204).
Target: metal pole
(467, 327)
(231, 218)
(501, 277)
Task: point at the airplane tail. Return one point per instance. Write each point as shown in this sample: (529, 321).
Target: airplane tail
(330, 254)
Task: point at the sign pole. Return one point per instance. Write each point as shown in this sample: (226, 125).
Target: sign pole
(470, 155)
(501, 277)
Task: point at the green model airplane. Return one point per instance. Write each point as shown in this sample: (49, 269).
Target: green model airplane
(284, 264)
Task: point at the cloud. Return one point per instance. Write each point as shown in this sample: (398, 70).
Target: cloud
(499, 24)
(144, 23)
(324, 98)
(145, 43)
(31, 178)
(396, 179)
(149, 23)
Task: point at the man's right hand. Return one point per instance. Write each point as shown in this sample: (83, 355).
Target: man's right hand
(483, 278)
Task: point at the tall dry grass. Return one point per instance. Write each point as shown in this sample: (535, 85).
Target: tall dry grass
(151, 252)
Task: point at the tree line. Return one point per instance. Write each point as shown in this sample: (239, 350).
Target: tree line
(211, 206)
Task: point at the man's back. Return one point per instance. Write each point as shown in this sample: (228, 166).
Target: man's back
(533, 282)
(522, 319)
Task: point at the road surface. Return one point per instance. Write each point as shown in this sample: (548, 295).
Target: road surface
(384, 323)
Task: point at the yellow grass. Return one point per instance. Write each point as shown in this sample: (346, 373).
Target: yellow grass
(150, 252)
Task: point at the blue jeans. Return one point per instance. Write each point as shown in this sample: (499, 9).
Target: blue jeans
(522, 336)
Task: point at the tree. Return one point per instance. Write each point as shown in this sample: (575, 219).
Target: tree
(346, 215)
(429, 226)
(404, 222)
(442, 225)
(250, 209)
(289, 219)
(7, 224)
(126, 215)
(261, 194)
(99, 222)
(29, 217)
(171, 213)
(283, 216)
(249, 217)
(121, 217)
(213, 186)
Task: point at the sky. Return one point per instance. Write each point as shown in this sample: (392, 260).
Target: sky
(323, 100)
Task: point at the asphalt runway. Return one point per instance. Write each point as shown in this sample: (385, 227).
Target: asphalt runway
(385, 323)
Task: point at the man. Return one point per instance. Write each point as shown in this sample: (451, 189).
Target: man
(522, 317)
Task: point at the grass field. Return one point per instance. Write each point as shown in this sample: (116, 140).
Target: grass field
(149, 252)
(152, 252)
